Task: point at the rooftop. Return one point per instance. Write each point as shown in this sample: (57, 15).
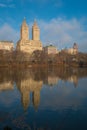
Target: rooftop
(50, 46)
(7, 41)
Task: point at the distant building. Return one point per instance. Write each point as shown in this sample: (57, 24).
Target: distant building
(75, 48)
(6, 45)
(72, 51)
(50, 49)
(25, 44)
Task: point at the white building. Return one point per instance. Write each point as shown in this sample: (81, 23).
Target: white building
(50, 49)
(6, 45)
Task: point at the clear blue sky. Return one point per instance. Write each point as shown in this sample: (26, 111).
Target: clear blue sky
(66, 18)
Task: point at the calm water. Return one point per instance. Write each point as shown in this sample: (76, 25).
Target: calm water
(43, 99)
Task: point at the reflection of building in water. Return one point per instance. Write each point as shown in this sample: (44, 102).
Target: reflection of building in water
(73, 79)
(52, 80)
(6, 85)
(6, 79)
(30, 85)
(25, 99)
(36, 99)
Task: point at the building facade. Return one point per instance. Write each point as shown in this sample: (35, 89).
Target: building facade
(73, 50)
(25, 44)
(6, 45)
(50, 49)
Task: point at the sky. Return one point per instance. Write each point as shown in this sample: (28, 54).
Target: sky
(61, 22)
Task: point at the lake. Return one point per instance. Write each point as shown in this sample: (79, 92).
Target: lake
(43, 99)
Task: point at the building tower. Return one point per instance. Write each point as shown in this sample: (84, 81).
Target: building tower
(75, 48)
(35, 32)
(24, 31)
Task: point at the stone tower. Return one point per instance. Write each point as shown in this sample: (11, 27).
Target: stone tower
(75, 48)
(24, 31)
(35, 32)
(27, 45)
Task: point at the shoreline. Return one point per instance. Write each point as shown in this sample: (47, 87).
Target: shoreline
(42, 65)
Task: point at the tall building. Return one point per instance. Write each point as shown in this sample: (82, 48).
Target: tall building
(25, 44)
(24, 31)
(35, 32)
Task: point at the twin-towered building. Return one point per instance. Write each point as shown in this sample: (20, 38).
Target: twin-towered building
(25, 44)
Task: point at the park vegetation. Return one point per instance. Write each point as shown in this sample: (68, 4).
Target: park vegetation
(39, 58)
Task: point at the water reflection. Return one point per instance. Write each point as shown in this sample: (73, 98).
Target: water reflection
(31, 81)
(6, 81)
(49, 92)
(26, 83)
